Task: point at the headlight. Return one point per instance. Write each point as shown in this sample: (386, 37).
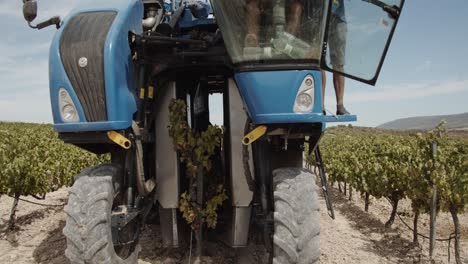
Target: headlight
(67, 108)
(305, 96)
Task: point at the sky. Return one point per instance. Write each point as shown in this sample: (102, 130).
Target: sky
(425, 72)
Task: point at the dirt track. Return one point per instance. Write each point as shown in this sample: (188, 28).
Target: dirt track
(353, 237)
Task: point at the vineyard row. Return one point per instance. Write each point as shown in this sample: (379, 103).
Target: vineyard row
(397, 166)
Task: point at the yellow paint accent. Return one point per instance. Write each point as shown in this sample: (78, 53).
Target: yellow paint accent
(142, 93)
(253, 135)
(119, 139)
(150, 92)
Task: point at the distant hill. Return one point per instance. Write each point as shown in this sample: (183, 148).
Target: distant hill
(454, 122)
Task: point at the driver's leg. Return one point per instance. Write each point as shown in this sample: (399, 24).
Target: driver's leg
(295, 11)
(253, 23)
(337, 40)
(339, 83)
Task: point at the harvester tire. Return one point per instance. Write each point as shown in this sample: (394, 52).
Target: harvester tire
(88, 219)
(296, 236)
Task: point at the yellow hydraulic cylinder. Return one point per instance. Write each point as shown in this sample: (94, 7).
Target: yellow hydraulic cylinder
(119, 139)
(253, 135)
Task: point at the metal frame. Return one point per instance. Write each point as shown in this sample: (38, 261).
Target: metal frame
(323, 64)
(167, 169)
(167, 164)
(248, 94)
(241, 194)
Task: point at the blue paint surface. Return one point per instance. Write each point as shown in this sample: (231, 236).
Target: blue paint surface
(188, 21)
(269, 97)
(58, 79)
(90, 126)
(118, 68)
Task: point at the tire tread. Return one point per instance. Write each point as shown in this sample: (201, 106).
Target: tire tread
(88, 219)
(296, 238)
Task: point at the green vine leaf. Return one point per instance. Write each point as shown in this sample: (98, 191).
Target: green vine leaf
(196, 150)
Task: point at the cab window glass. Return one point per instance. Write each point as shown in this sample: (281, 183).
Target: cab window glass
(357, 36)
(272, 31)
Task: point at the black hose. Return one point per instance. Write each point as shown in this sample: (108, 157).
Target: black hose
(246, 159)
(36, 203)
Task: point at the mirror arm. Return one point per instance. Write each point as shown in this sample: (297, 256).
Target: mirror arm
(49, 22)
(32, 26)
(393, 11)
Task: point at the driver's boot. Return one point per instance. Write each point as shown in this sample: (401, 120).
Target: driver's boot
(341, 110)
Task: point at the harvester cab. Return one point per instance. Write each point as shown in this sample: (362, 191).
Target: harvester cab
(136, 79)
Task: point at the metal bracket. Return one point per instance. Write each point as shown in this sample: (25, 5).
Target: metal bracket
(323, 178)
(119, 219)
(122, 216)
(253, 135)
(119, 139)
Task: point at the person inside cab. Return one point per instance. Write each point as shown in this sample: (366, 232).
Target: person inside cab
(261, 9)
(303, 20)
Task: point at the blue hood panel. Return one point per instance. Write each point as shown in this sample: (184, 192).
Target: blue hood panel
(118, 68)
(269, 97)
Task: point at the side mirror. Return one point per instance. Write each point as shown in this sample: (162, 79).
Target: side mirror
(29, 10)
(30, 13)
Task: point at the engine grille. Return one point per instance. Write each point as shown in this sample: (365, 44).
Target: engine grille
(82, 53)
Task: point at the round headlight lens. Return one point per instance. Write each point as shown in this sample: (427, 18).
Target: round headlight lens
(304, 100)
(68, 112)
(63, 94)
(67, 108)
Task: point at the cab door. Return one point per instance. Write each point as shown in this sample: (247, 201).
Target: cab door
(357, 36)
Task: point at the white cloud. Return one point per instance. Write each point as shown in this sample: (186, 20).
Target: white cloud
(406, 91)
(398, 94)
(15, 47)
(11, 8)
(25, 93)
(24, 89)
(45, 9)
(426, 65)
(33, 106)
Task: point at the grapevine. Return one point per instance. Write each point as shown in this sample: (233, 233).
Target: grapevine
(196, 150)
(398, 165)
(33, 161)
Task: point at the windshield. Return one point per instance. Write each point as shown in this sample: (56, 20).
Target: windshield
(358, 36)
(272, 30)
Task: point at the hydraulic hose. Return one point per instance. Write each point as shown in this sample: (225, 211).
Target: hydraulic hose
(246, 158)
(144, 186)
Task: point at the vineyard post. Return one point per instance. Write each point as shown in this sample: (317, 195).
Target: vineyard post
(415, 228)
(433, 207)
(199, 231)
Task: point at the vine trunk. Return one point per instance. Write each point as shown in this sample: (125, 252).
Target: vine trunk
(454, 211)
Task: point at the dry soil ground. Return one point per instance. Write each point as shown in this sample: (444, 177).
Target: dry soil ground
(353, 237)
